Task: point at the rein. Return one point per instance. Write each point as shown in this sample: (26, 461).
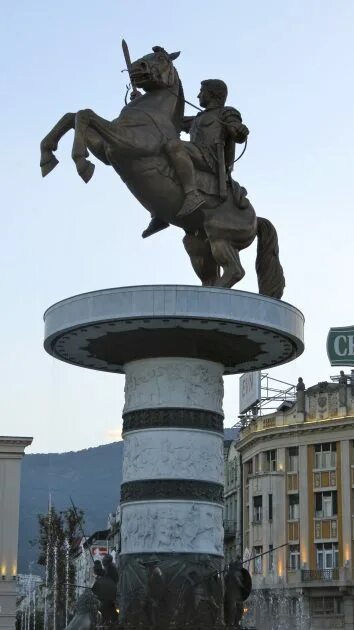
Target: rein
(199, 109)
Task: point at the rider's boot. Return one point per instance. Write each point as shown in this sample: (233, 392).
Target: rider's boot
(192, 201)
(184, 167)
(155, 225)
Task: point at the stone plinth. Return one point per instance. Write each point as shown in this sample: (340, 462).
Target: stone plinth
(174, 344)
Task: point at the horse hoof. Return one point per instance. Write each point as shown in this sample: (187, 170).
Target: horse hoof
(47, 167)
(85, 168)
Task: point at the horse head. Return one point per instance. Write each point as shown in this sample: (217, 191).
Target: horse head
(155, 70)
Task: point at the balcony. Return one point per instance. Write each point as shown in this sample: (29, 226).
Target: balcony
(324, 479)
(325, 528)
(230, 529)
(319, 575)
(293, 482)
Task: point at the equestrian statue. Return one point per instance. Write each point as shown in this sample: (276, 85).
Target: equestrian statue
(186, 184)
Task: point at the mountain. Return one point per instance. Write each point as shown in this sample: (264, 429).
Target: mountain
(91, 477)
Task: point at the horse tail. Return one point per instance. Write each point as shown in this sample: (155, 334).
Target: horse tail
(270, 273)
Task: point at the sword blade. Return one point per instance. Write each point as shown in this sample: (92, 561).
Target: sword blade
(127, 56)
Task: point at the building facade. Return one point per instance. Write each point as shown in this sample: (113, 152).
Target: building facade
(89, 550)
(232, 503)
(298, 508)
(11, 453)
(94, 548)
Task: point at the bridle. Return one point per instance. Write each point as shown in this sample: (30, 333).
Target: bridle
(199, 109)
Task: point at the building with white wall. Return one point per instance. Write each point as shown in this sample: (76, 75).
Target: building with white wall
(298, 491)
(232, 503)
(11, 453)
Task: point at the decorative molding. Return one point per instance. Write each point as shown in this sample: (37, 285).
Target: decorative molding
(171, 489)
(295, 430)
(173, 417)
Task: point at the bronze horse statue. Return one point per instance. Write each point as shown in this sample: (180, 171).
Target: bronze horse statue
(134, 144)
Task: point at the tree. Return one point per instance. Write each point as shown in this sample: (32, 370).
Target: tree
(59, 536)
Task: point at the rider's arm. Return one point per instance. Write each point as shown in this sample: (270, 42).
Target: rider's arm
(187, 123)
(235, 128)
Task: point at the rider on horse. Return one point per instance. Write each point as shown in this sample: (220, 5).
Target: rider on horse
(213, 133)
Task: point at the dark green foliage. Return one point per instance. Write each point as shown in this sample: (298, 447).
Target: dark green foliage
(59, 536)
(92, 477)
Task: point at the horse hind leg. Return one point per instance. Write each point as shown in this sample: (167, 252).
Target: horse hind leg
(227, 256)
(201, 258)
(50, 143)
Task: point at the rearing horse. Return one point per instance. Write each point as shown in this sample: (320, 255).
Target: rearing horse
(134, 144)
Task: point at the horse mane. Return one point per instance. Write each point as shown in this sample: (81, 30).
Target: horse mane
(179, 109)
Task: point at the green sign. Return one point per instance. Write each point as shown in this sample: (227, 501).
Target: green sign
(340, 345)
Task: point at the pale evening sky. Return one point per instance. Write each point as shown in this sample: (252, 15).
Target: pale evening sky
(288, 66)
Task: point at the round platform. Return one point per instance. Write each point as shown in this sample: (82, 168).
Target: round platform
(103, 330)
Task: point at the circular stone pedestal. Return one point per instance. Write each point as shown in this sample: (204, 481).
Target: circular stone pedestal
(174, 343)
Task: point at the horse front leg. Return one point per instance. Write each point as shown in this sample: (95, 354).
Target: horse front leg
(50, 142)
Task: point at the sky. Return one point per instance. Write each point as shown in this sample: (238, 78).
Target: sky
(288, 66)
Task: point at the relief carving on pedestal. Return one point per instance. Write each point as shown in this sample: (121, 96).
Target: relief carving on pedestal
(190, 455)
(179, 383)
(164, 528)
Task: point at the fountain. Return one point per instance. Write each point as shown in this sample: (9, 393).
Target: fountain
(174, 343)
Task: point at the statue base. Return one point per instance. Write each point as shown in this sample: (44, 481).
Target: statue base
(174, 344)
(104, 330)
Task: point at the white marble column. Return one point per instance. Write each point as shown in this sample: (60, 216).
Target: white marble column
(173, 457)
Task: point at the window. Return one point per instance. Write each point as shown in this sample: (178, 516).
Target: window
(270, 461)
(258, 560)
(257, 463)
(294, 607)
(270, 507)
(257, 509)
(270, 558)
(325, 455)
(326, 606)
(294, 508)
(248, 468)
(326, 504)
(294, 557)
(327, 555)
(293, 459)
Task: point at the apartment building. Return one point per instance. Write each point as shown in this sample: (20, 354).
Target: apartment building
(298, 506)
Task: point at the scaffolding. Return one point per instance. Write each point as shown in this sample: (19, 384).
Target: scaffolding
(275, 395)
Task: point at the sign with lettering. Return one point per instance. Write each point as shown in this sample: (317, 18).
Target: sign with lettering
(250, 390)
(340, 345)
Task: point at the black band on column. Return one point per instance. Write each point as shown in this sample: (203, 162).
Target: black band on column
(171, 489)
(176, 418)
